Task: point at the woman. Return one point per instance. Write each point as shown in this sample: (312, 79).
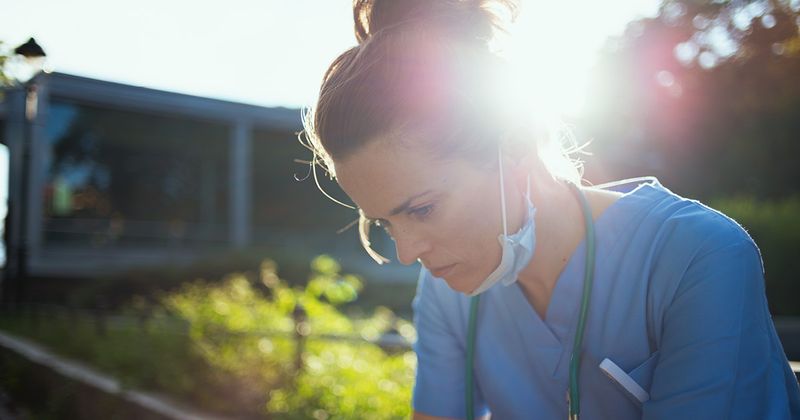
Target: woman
(614, 303)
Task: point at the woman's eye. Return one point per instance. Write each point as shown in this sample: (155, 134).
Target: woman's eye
(421, 211)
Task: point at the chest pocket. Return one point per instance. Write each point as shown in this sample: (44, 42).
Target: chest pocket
(634, 383)
(643, 374)
(614, 392)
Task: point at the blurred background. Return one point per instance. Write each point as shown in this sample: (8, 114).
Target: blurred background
(163, 233)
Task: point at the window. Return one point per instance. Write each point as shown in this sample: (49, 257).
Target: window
(287, 206)
(118, 178)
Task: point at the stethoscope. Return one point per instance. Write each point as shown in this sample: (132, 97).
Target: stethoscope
(573, 395)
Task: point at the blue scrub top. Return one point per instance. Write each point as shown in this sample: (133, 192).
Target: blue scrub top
(678, 303)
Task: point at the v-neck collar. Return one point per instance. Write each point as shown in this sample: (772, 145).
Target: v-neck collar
(553, 336)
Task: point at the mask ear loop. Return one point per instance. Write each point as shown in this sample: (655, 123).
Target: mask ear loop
(529, 187)
(502, 192)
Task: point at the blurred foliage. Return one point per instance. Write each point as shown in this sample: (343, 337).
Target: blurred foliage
(775, 227)
(240, 353)
(5, 79)
(337, 379)
(706, 96)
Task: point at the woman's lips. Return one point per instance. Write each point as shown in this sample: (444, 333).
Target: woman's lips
(442, 271)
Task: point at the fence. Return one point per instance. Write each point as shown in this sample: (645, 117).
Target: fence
(104, 320)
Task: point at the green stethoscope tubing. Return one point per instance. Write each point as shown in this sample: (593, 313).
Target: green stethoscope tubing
(573, 396)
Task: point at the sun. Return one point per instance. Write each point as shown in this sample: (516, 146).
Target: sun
(547, 77)
(553, 46)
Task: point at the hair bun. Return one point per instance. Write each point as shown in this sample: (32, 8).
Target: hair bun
(465, 20)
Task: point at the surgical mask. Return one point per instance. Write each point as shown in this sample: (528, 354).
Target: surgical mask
(517, 249)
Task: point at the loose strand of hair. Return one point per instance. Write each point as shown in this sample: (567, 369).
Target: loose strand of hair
(322, 190)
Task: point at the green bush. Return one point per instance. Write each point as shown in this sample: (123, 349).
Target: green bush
(253, 339)
(232, 346)
(775, 226)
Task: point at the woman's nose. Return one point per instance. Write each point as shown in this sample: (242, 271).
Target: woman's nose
(410, 247)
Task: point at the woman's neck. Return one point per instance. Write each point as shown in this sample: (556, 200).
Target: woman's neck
(559, 231)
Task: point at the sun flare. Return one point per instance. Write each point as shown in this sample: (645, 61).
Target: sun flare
(552, 47)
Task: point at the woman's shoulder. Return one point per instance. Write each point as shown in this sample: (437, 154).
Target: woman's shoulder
(680, 247)
(674, 242)
(668, 218)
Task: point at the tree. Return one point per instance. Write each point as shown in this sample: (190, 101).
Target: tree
(5, 80)
(705, 96)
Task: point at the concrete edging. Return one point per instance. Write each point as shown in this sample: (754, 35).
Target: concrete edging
(90, 377)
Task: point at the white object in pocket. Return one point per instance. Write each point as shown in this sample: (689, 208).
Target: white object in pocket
(624, 380)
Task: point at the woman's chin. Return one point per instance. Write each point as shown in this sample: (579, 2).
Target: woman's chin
(459, 279)
(461, 286)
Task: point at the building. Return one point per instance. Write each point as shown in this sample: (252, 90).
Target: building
(105, 177)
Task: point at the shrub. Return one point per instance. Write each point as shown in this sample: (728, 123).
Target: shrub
(243, 346)
(255, 339)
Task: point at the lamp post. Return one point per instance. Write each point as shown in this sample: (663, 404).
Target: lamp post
(27, 62)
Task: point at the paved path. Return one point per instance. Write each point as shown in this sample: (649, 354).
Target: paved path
(90, 377)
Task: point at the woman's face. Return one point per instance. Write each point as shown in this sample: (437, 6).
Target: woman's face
(444, 213)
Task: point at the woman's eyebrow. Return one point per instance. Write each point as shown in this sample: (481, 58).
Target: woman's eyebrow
(406, 204)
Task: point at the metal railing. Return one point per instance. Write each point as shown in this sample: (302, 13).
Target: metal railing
(105, 320)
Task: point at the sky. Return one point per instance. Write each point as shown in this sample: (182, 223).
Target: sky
(273, 53)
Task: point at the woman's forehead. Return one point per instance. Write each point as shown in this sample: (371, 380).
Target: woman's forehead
(381, 175)
(377, 173)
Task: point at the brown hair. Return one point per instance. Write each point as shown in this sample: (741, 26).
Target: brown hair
(421, 68)
(419, 65)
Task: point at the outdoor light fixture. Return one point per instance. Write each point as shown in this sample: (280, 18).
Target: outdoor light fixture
(30, 50)
(33, 61)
